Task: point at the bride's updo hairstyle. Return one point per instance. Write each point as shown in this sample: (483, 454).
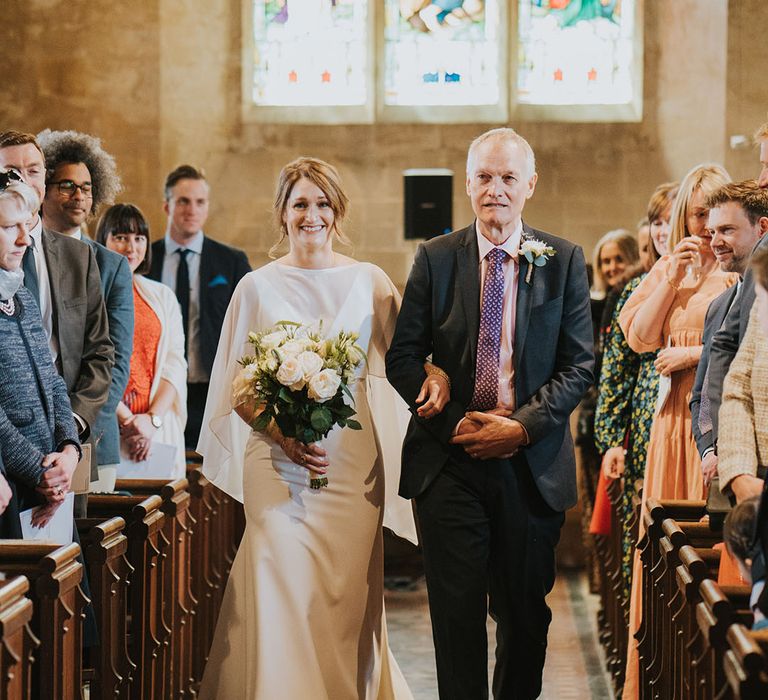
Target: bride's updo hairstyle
(326, 178)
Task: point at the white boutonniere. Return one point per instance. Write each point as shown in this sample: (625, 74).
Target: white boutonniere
(537, 253)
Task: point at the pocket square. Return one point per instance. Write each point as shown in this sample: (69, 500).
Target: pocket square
(218, 281)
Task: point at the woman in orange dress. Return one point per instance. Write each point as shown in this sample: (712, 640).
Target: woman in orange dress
(153, 410)
(666, 313)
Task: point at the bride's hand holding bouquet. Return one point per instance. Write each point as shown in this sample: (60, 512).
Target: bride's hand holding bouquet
(293, 388)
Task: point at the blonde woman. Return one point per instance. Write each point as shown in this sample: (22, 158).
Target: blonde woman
(666, 313)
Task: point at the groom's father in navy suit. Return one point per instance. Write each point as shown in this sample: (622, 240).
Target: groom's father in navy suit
(503, 309)
(204, 274)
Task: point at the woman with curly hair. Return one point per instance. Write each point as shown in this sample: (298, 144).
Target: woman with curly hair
(81, 177)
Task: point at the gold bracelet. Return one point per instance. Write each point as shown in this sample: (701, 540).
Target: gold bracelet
(672, 284)
(434, 369)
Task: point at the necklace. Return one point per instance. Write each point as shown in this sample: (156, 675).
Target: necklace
(8, 307)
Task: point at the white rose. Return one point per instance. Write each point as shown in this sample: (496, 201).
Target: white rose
(310, 362)
(289, 374)
(250, 371)
(324, 385)
(291, 348)
(272, 340)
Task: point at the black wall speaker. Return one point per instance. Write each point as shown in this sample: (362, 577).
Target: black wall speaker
(428, 202)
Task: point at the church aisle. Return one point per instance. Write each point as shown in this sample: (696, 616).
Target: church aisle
(574, 668)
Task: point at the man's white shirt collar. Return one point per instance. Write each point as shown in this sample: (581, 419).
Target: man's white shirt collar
(195, 244)
(511, 246)
(36, 232)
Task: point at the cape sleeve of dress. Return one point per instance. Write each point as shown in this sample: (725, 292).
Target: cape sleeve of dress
(389, 412)
(224, 434)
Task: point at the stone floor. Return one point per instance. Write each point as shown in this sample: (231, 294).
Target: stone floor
(574, 666)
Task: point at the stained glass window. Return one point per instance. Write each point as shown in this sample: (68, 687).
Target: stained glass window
(310, 52)
(576, 52)
(441, 52)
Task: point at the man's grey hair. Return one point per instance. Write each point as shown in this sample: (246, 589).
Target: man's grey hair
(23, 194)
(504, 133)
(75, 147)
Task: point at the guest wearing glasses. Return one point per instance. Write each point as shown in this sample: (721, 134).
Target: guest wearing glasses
(63, 278)
(81, 178)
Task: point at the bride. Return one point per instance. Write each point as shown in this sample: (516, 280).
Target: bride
(303, 613)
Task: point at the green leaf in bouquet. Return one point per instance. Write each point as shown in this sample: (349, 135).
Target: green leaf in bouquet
(345, 411)
(262, 421)
(321, 419)
(285, 395)
(353, 424)
(308, 436)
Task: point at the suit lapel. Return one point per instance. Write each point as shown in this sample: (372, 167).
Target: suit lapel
(524, 299)
(205, 277)
(158, 257)
(51, 251)
(468, 265)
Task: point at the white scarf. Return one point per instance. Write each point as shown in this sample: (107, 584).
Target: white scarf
(10, 281)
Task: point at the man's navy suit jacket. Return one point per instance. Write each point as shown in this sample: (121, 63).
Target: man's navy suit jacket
(221, 268)
(553, 355)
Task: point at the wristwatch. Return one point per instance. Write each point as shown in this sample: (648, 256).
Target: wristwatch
(157, 421)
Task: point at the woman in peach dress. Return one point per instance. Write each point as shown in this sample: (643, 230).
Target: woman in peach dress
(666, 313)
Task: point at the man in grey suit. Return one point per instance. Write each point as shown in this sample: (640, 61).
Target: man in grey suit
(63, 275)
(736, 222)
(503, 310)
(81, 178)
(726, 341)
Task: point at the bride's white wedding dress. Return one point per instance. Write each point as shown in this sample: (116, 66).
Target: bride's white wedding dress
(303, 616)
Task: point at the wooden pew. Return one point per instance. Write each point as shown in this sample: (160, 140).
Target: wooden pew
(178, 601)
(666, 611)
(695, 566)
(612, 620)
(17, 642)
(613, 616)
(716, 612)
(105, 549)
(146, 551)
(207, 582)
(746, 663)
(57, 621)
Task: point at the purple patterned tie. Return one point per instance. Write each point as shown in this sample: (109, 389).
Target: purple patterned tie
(486, 392)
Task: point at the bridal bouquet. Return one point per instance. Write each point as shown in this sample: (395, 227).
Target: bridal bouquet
(299, 378)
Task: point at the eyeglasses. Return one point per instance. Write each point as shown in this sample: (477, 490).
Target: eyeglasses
(9, 176)
(68, 187)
